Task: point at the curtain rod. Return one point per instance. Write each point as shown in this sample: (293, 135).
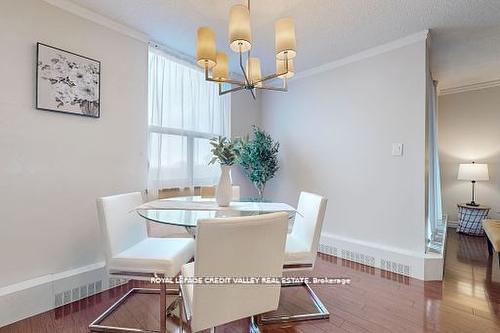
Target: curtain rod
(173, 53)
(181, 56)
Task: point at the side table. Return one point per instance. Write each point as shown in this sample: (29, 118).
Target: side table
(469, 219)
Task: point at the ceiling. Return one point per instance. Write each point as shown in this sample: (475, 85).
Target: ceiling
(465, 33)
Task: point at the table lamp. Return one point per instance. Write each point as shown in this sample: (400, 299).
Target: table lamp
(473, 172)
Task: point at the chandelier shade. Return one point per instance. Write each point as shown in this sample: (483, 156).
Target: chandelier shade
(205, 48)
(254, 72)
(221, 70)
(240, 33)
(281, 69)
(285, 38)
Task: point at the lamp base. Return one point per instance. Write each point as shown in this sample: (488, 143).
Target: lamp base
(472, 204)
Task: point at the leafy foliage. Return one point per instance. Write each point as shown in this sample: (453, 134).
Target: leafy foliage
(223, 150)
(258, 157)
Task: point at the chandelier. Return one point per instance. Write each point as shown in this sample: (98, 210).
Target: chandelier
(240, 41)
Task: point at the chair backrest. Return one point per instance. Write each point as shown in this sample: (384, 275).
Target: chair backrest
(120, 224)
(209, 192)
(237, 247)
(309, 221)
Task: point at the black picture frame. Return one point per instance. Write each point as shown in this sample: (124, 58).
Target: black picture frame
(38, 106)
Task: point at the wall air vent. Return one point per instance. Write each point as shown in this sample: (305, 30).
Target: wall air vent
(77, 293)
(395, 267)
(365, 259)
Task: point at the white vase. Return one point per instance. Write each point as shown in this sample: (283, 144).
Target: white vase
(224, 190)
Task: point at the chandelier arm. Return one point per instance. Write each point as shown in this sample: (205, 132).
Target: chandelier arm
(284, 88)
(235, 82)
(272, 88)
(223, 92)
(238, 83)
(243, 69)
(270, 77)
(253, 93)
(207, 78)
(249, 69)
(275, 75)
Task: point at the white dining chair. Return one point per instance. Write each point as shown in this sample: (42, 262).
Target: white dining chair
(301, 252)
(131, 254)
(234, 247)
(209, 192)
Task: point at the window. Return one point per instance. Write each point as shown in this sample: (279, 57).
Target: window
(185, 111)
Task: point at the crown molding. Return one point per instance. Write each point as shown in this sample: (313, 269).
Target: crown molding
(469, 87)
(99, 19)
(396, 44)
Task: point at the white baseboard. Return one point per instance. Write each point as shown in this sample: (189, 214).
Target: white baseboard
(31, 297)
(416, 265)
(375, 255)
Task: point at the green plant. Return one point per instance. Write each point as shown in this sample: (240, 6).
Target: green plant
(223, 150)
(258, 157)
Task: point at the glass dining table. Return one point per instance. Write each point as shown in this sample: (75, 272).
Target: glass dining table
(187, 211)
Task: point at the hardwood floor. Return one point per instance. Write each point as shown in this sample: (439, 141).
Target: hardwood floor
(468, 300)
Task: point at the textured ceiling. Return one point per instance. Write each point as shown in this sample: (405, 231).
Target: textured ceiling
(465, 42)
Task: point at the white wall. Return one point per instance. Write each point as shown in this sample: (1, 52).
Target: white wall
(336, 130)
(469, 131)
(53, 166)
(245, 112)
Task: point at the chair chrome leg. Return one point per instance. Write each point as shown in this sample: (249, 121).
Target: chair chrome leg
(96, 325)
(171, 308)
(321, 314)
(163, 308)
(254, 328)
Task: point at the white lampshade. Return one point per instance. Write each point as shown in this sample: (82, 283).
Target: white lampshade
(285, 38)
(205, 47)
(473, 171)
(240, 33)
(281, 68)
(221, 69)
(253, 71)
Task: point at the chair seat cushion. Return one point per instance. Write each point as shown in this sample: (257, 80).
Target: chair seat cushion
(155, 255)
(492, 229)
(296, 252)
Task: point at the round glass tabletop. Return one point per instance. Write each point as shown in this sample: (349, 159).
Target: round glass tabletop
(189, 217)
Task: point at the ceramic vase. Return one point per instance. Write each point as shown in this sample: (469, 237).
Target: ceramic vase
(224, 190)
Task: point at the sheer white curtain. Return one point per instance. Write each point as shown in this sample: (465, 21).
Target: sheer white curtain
(434, 204)
(185, 111)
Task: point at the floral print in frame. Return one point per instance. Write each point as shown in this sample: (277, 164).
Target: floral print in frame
(67, 82)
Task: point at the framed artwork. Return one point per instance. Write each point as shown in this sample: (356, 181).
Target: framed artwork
(67, 82)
